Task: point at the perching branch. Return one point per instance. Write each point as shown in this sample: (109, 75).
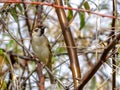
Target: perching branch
(39, 21)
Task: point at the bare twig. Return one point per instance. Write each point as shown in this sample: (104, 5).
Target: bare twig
(114, 55)
(102, 59)
(59, 6)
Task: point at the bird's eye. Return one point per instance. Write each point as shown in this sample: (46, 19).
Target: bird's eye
(36, 30)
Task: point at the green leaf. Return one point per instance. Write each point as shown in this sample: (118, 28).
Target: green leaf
(13, 12)
(82, 20)
(66, 1)
(19, 7)
(11, 43)
(59, 50)
(86, 5)
(70, 13)
(1, 52)
(93, 84)
(4, 85)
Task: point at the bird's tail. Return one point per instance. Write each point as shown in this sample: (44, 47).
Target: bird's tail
(52, 79)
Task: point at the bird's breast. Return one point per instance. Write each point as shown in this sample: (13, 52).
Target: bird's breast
(42, 52)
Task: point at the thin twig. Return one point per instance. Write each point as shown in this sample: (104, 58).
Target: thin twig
(59, 6)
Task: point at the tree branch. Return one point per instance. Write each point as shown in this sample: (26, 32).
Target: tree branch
(102, 59)
(59, 6)
(74, 64)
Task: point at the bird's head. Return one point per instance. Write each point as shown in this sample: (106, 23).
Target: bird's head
(38, 31)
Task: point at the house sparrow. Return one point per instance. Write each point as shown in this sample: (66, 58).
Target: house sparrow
(41, 48)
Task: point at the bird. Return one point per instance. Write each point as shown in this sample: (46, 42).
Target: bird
(41, 48)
